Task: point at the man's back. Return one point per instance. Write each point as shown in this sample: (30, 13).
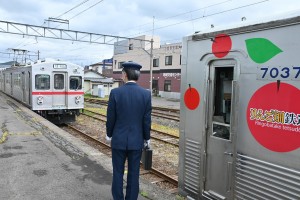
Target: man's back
(129, 116)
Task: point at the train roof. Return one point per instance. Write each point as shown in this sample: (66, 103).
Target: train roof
(267, 23)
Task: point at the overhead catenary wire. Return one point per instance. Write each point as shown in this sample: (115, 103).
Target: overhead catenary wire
(201, 17)
(72, 8)
(188, 12)
(86, 9)
(180, 22)
(153, 17)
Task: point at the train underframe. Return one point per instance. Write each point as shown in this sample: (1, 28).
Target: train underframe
(60, 116)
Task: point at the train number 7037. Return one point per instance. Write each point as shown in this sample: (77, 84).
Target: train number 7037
(278, 73)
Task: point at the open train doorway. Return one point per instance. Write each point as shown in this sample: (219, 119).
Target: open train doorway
(219, 135)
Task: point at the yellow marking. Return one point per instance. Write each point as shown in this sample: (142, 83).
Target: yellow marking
(125, 172)
(3, 138)
(35, 133)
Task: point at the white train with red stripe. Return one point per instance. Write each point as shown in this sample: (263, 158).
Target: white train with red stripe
(49, 87)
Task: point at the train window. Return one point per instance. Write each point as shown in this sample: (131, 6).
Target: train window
(75, 82)
(42, 82)
(59, 82)
(222, 102)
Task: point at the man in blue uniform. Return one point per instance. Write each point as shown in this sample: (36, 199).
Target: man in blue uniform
(128, 127)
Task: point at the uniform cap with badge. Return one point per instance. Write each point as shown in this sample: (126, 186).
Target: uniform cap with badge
(131, 65)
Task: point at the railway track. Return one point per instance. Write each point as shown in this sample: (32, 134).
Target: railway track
(162, 112)
(162, 176)
(155, 134)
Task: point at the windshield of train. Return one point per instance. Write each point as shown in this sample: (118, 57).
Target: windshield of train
(42, 82)
(75, 82)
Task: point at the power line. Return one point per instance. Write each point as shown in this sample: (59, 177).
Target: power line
(188, 12)
(72, 8)
(204, 16)
(86, 9)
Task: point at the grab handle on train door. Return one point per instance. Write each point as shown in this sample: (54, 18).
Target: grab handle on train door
(207, 104)
(233, 111)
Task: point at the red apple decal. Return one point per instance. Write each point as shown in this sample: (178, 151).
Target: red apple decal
(191, 98)
(273, 117)
(221, 45)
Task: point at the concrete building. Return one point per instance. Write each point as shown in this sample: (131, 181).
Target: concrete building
(101, 67)
(97, 84)
(166, 64)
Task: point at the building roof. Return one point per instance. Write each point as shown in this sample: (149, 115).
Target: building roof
(97, 80)
(94, 76)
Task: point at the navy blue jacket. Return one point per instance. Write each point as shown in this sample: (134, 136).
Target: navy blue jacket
(129, 117)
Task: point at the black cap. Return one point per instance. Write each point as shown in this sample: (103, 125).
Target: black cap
(131, 65)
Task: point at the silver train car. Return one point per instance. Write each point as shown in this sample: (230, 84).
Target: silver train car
(240, 113)
(52, 88)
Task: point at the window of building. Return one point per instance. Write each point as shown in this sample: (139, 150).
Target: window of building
(167, 86)
(42, 82)
(130, 46)
(75, 82)
(180, 60)
(59, 81)
(168, 60)
(115, 64)
(155, 62)
(120, 65)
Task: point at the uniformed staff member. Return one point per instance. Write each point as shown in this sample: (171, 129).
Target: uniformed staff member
(128, 127)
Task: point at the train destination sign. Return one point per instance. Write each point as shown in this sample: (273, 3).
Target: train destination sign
(59, 66)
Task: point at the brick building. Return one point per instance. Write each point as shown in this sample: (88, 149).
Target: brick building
(166, 64)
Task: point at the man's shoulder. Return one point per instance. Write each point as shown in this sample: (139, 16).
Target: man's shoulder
(143, 89)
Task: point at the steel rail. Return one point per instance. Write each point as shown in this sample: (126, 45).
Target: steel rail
(153, 170)
(104, 102)
(154, 137)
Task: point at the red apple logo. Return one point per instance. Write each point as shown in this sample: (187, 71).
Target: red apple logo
(221, 45)
(273, 117)
(191, 98)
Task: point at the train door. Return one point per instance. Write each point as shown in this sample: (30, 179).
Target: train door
(24, 87)
(59, 89)
(29, 89)
(220, 129)
(11, 85)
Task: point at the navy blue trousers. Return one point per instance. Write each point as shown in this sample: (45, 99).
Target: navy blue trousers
(118, 161)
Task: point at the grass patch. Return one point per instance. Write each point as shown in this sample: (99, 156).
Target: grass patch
(97, 110)
(89, 96)
(165, 129)
(144, 194)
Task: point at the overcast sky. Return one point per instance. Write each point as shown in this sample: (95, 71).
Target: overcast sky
(169, 19)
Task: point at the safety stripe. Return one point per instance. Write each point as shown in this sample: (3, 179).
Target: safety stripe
(58, 93)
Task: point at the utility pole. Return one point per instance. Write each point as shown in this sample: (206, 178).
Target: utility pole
(151, 58)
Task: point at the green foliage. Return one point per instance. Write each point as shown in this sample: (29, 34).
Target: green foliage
(179, 197)
(144, 194)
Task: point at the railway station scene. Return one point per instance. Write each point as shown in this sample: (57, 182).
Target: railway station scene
(160, 100)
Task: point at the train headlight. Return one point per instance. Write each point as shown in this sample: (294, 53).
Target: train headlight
(40, 100)
(77, 99)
